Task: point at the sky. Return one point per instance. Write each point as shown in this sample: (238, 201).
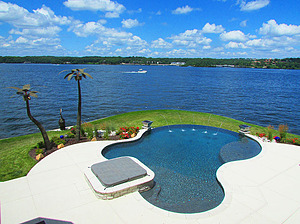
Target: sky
(151, 28)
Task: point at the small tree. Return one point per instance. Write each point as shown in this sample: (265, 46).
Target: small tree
(78, 74)
(26, 92)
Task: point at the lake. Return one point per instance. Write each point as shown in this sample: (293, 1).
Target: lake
(258, 96)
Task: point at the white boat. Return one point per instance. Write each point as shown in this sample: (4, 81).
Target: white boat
(141, 71)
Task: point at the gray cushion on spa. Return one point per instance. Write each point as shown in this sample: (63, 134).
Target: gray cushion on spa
(117, 171)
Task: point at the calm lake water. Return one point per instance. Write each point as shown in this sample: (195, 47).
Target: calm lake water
(258, 96)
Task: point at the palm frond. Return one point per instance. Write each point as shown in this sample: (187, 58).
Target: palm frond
(17, 88)
(26, 87)
(87, 74)
(62, 71)
(81, 70)
(70, 76)
(13, 96)
(33, 94)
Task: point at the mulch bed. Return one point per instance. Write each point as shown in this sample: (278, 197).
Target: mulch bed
(69, 141)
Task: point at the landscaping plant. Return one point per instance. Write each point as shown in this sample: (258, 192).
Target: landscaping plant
(270, 132)
(27, 93)
(78, 74)
(283, 128)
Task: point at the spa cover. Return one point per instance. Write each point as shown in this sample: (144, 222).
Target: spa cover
(117, 171)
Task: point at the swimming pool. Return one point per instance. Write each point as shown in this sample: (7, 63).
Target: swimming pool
(185, 159)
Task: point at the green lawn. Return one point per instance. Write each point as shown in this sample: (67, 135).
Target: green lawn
(15, 161)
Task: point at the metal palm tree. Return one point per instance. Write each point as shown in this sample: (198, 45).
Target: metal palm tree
(27, 93)
(77, 74)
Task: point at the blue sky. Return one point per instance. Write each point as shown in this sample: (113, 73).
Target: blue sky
(165, 28)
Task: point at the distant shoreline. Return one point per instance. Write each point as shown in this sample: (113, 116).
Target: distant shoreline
(286, 63)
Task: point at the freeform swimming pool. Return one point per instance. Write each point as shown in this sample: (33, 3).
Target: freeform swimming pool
(185, 159)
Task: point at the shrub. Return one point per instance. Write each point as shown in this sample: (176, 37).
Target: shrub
(126, 132)
(58, 141)
(282, 128)
(71, 135)
(107, 132)
(270, 132)
(261, 135)
(294, 141)
(73, 131)
(89, 129)
(40, 145)
(39, 151)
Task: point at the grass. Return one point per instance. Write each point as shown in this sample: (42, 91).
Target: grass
(15, 161)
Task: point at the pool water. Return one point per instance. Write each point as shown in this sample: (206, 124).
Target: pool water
(185, 159)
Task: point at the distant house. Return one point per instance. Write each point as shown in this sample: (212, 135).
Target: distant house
(178, 63)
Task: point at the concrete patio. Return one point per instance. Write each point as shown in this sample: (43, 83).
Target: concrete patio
(264, 189)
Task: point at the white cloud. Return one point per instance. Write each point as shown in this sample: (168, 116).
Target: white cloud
(182, 10)
(262, 43)
(21, 18)
(271, 28)
(134, 11)
(190, 38)
(21, 40)
(130, 23)
(232, 44)
(212, 28)
(95, 5)
(235, 35)
(253, 5)
(109, 40)
(243, 23)
(160, 43)
(112, 15)
(38, 32)
(90, 28)
(10, 12)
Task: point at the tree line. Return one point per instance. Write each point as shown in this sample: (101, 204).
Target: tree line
(286, 63)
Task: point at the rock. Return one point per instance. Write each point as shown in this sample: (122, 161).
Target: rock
(39, 156)
(133, 135)
(60, 146)
(94, 139)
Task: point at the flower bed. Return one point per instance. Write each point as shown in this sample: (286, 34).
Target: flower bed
(127, 132)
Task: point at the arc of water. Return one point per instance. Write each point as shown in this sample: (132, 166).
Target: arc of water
(218, 129)
(207, 123)
(180, 120)
(194, 122)
(166, 122)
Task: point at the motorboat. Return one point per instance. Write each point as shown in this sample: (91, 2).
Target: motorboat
(141, 71)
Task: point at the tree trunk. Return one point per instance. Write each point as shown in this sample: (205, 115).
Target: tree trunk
(39, 125)
(78, 126)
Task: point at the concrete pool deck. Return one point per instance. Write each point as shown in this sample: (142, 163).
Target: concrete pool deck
(264, 189)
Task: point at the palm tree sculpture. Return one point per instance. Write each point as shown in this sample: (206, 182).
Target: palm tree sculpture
(78, 74)
(27, 93)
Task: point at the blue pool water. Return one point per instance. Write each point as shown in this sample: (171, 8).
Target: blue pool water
(185, 159)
